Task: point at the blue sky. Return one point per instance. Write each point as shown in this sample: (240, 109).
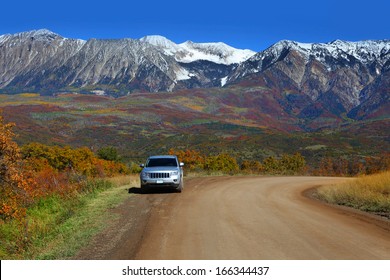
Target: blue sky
(242, 24)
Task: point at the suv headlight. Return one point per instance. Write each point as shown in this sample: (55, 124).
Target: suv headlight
(144, 174)
(175, 173)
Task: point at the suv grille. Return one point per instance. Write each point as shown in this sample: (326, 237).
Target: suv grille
(159, 175)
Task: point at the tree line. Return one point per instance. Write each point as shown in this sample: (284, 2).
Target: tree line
(225, 163)
(353, 165)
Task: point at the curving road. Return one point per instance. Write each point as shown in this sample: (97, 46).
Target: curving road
(240, 218)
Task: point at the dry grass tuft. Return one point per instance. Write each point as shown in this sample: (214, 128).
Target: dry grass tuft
(367, 193)
(132, 180)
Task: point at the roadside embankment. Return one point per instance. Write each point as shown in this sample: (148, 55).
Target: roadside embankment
(56, 228)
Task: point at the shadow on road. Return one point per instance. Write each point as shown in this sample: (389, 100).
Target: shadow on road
(151, 190)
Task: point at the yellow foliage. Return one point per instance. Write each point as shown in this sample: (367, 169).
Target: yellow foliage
(196, 107)
(81, 160)
(26, 94)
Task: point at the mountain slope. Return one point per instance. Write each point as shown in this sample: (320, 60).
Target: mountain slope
(23, 56)
(43, 60)
(336, 77)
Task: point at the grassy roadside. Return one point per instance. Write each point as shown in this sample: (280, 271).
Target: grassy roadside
(367, 193)
(58, 228)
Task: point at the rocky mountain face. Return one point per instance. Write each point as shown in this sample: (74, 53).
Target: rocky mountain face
(337, 79)
(323, 79)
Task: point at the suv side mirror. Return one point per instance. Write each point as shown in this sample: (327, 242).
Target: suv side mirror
(142, 165)
(181, 164)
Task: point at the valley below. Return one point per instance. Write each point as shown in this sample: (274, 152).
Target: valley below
(241, 122)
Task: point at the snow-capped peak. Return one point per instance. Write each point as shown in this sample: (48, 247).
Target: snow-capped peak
(336, 49)
(40, 34)
(167, 45)
(216, 52)
(189, 51)
(43, 32)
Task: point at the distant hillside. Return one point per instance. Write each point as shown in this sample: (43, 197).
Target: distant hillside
(233, 120)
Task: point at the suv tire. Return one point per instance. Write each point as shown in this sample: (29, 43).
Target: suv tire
(180, 187)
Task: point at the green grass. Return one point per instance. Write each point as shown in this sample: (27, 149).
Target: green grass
(57, 228)
(367, 193)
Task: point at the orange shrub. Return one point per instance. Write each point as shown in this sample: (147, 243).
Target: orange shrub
(106, 168)
(252, 166)
(17, 187)
(191, 158)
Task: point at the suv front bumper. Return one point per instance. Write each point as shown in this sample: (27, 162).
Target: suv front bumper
(160, 182)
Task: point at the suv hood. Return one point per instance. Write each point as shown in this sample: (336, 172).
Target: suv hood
(160, 169)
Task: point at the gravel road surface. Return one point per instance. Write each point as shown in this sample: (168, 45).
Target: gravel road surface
(239, 218)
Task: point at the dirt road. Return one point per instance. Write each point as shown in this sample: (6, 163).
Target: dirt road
(240, 218)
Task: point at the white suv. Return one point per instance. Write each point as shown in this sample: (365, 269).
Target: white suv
(162, 171)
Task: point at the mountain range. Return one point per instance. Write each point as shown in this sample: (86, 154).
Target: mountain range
(44, 61)
(336, 80)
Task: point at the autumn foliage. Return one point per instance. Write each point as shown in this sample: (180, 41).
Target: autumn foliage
(222, 162)
(342, 166)
(81, 161)
(225, 163)
(192, 159)
(17, 186)
(36, 171)
(286, 164)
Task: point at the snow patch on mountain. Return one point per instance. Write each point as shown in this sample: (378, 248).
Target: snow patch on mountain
(224, 80)
(183, 74)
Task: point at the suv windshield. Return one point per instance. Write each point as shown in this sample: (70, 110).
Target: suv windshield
(154, 162)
